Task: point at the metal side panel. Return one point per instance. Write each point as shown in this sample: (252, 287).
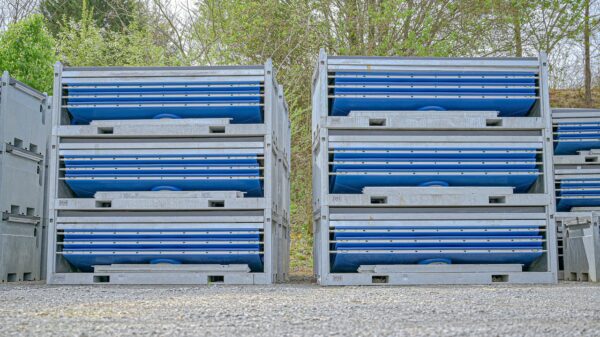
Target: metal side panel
(20, 251)
(431, 120)
(160, 201)
(437, 196)
(162, 128)
(24, 122)
(575, 115)
(581, 240)
(372, 63)
(436, 278)
(153, 278)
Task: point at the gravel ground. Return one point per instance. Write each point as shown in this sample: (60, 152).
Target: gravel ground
(567, 309)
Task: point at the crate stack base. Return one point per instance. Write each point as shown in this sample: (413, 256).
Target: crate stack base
(432, 171)
(189, 186)
(577, 175)
(23, 133)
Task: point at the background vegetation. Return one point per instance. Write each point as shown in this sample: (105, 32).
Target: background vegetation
(36, 33)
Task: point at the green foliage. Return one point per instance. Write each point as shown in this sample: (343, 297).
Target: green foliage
(108, 14)
(83, 43)
(28, 52)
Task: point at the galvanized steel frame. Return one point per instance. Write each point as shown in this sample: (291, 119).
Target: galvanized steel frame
(322, 124)
(273, 134)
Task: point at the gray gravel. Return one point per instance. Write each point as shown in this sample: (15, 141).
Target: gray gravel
(567, 309)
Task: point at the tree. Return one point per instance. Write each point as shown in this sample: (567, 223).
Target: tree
(587, 82)
(83, 43)
(400, 27)
(112, 15)
(552, 22)
(591, 23)
(28, 52)
(507, 23)
(15, 10)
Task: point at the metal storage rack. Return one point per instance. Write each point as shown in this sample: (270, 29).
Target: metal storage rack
(169, 176)
(577, 174)
(23, 133)
(424, 173)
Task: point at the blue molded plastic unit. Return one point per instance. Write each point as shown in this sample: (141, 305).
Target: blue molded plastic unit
(512, 94)
(240, 101)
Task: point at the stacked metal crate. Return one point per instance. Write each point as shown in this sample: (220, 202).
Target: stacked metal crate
(432, 171)
(23, 133)
(169, 176)
(577, 174)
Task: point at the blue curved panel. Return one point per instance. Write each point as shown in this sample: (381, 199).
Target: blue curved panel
(513, 107)
(108, 246)
(438, 245)
(349, 262)
(147, 172)
(565, 205)
(85, 262)
(517, 91)
(442, 77)
(355, 183)
(159, 160)
(377, 233)
(435, 154)
(238, 114)
(374, 167)
(86, 188)
(581, 136)
(89, 101)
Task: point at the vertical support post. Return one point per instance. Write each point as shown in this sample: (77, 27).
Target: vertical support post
(546, 115)
(269, 109)
(321, 173)
(53, 167)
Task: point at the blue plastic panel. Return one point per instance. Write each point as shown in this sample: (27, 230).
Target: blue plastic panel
(183, 159)
(571, 137)
(434, 77)
(84, 262)
(435, 154)
(165, 245)
(374, 232)
(121, 101)
(359, 167)
(149, 172)
(85, 248)
(349, 262)
(238, 114)
(506, 107)
(571, 147)
(355, 183)
(404, 244)
(565, 205)
(86, 188)
(88, 174)
(578, 193)
(466, 244)
(515, 92)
